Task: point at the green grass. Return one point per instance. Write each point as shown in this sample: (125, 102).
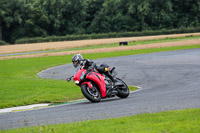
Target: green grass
(132, 88)
(183, 121)
(19, 84)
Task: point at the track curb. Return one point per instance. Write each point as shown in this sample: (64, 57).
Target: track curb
(43, 105)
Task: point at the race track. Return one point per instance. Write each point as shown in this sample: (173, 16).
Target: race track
(169, 81)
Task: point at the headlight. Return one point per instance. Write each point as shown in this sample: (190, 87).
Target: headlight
(82, 76)
(76, 82)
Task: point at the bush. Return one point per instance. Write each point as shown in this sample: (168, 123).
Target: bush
(105, 35)
(2, 43)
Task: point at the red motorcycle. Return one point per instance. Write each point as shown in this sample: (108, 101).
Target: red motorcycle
(96, 86)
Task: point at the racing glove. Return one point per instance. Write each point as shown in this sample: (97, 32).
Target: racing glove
(90, 68)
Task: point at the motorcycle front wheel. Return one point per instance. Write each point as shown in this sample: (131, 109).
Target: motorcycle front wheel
(92, 95)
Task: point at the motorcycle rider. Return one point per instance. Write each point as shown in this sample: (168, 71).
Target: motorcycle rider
(90, 65)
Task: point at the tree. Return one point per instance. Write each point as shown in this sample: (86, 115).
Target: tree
(33, 18)
(92, 10)
(109, 18)
(187, 13)
(11, 12)
(161, 15)
(75, 16)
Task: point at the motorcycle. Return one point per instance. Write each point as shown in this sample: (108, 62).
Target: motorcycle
(96, 86)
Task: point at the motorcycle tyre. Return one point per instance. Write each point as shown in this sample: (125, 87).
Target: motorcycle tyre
(88, 96)
(122, 93)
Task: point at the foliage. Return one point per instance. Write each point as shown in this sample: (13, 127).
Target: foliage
(3, 43)
(41, 18)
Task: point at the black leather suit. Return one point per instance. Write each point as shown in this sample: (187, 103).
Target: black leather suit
(90, 65)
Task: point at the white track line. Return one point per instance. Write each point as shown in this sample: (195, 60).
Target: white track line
(7, 110)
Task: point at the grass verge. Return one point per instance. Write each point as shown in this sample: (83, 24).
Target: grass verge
(184, 121)
(132, 88)
(21, 86)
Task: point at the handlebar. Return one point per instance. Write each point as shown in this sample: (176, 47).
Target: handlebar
(69, 79)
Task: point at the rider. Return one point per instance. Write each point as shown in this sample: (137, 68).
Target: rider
(90, 65)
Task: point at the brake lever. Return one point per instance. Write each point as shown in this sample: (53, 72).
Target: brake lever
(69, 79)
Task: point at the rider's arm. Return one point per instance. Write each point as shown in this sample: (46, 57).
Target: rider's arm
(91, 65)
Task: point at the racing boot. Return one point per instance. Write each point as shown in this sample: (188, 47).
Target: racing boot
(114, 80)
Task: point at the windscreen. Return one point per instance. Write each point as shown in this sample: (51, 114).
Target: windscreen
(77, 69)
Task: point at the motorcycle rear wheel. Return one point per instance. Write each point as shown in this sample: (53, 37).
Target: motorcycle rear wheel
(92, 95)
(123, 91)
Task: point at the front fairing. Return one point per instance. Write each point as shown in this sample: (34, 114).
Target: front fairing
(78, 74)
(77, 69)
(98, 78)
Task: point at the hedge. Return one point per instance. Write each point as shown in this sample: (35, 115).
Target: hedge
(105, 35)
(2, 43)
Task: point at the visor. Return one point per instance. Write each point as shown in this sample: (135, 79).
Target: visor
(75, 63)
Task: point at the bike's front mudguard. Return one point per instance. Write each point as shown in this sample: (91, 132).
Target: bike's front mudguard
(88, 84)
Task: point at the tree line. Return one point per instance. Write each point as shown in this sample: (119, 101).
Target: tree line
(41, 18)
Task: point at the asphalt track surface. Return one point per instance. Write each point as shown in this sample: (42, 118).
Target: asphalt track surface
(169, 81)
